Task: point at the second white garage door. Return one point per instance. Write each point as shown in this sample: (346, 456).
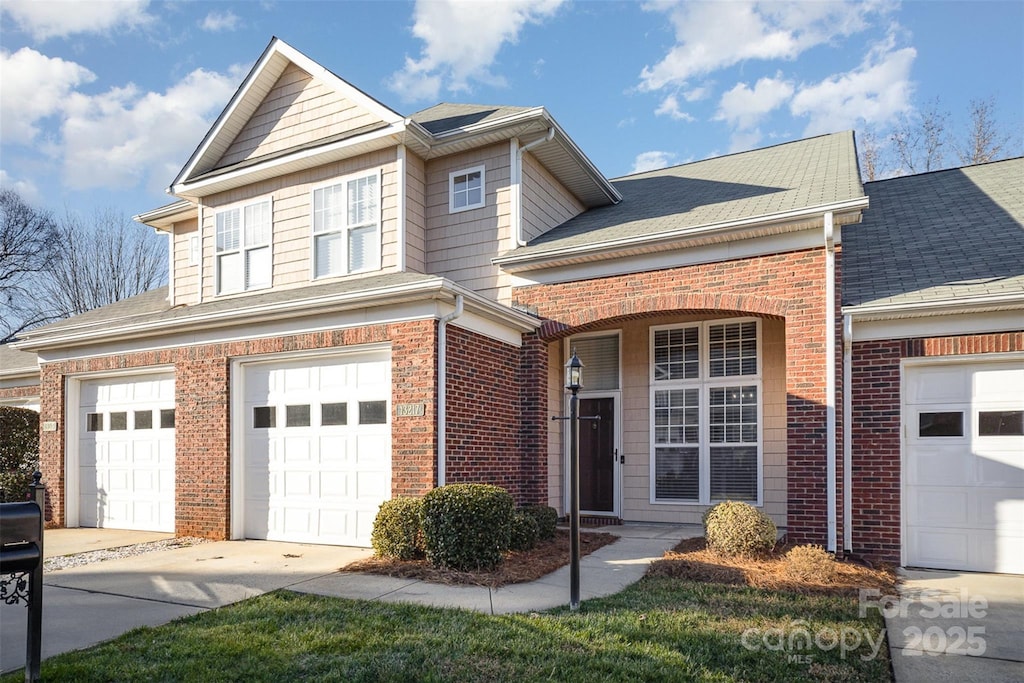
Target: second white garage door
(317, 448)
(964, 460)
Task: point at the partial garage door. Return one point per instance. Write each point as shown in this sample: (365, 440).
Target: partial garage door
(317, 448)
(126, 453)
(964, 477)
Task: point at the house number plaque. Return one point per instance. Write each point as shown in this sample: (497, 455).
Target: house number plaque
(410, 410)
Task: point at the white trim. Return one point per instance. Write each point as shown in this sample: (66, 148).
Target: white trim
(704, 383)
(170, 267)
(236, 457)
(483, 189)
(952, 324)
(442, 388)
(830, 381)
(847, 433)
(202, 256)
(346, 229)
(515, 195)
(402, 169)
(243, 248)
(956, 305)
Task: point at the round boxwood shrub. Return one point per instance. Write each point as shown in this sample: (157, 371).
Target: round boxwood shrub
(396, 529)
(19, 452)
(466, 526)
(546, 518)
(525, 531)
(736, 528)
(810, 563)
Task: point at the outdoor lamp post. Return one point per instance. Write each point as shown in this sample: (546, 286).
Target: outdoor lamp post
(573, 382)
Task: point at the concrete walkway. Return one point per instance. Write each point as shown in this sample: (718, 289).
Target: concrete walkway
(957, 627)
(86, 605)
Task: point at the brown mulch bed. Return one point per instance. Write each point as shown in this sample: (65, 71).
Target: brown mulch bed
(692, 560)
(517, 566)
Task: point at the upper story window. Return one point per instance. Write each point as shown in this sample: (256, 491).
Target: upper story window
(346, 226)
(243, 247)
(466, 189)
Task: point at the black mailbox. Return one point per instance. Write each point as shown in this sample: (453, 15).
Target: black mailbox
(19, 537)
(21, 567)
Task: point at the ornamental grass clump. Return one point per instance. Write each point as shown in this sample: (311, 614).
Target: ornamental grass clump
(467, 526)
(736, 528)
(396, 529)
(810, 564)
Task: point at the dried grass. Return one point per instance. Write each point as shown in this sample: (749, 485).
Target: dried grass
(516, 566)
(692, 560)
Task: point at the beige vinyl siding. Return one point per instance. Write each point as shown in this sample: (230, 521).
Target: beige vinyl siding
(297, 109)
(415, 214)
(292, 209)
(186, 277)
(546, 202)
(635, 416)
(460, 245)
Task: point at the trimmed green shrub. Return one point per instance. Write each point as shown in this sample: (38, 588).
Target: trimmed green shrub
(19, 452)
(736, 528)
(525, 531)
(396, 529)
(546, 518)
(466, 526)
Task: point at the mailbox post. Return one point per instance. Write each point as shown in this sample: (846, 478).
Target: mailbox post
(21, 567)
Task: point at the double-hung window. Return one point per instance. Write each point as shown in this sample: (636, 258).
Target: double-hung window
(706, 412)
(466, 189)
(243, 247)
(346, 226)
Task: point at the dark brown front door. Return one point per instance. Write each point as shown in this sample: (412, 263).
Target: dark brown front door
(597, 455)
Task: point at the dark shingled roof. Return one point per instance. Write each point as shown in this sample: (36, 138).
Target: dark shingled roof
(938, 236)
(445, 117)
(786, 177)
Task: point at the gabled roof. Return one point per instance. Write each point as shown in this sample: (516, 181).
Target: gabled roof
(782, 187)
(447, 117)
(14, 363)
(947, 237)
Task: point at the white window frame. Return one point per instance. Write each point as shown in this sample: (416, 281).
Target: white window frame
(451, 189)
(243, 248)
(344, 230)
(705, 383)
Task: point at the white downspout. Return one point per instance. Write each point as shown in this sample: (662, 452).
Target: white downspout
(170, 266)
(830, 377)
(401, 169)
(516, 171)
(847, 433)
(442, 385)
(199, 270)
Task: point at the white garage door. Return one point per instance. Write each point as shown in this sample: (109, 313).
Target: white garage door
(126, 453)
(964, 477)
(317, 448)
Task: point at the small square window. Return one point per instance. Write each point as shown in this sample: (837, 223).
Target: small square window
(94, 422)
(264, 417)
(373, 412)
(333, 414)
(118, 421)
(466, 189)
(143, 419)
(167, 418)
(296, 416)
(941, 424)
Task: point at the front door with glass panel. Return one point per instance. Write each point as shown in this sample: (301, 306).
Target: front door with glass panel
(597, 455)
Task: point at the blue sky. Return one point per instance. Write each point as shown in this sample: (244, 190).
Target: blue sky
(102, 102)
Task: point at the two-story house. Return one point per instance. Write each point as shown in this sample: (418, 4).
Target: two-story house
(364, 305)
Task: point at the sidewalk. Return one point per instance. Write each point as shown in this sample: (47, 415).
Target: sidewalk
(86, 605)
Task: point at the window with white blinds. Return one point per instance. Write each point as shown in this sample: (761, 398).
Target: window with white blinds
(243, 247)
(706, 412)
(600, 358)
(346, 226)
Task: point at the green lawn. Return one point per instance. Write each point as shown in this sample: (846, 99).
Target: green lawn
(658, 630)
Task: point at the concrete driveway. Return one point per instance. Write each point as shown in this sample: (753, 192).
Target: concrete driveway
(86, 605)
(957, 626)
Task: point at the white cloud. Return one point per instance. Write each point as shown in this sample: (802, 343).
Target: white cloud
(744, 107)
(462, 39)
(26, 189)
(34, 87)
(125, 137)
(215, 21)
(715, 35)
(44, 20)
(670, 107)
(652, 161)
(744, 140)
(875, 93)
(697, 94)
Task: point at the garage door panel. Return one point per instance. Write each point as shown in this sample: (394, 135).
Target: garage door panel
(940, 507)
(938, 384)
(939, 465)
(334, 451)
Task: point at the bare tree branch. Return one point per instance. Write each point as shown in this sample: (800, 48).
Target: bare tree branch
(983, 142)
(28, 244)
(918, 144)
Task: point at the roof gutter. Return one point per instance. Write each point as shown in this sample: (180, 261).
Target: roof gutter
(974, 304)
(518, 262)
(516, 173)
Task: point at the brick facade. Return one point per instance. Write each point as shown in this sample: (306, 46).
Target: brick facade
(790, 286)
(8, 393)
(876, 442)
(202, 429)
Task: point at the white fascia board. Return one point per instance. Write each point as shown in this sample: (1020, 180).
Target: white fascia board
(164, 217)
(938, 325)
(584, 161)
(845, 212)
(308, 158)
(494, 311)
(973, 304)
(809, 238)
(485, 126)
